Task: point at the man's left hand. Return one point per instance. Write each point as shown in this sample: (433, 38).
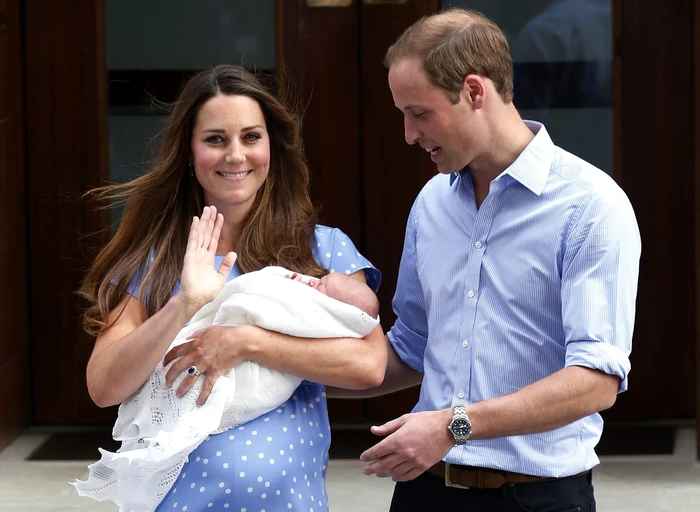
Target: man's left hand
(414, 442)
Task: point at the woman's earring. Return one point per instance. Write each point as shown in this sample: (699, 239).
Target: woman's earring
(191, 169)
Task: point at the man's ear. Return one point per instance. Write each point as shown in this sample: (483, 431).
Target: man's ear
(474, 90)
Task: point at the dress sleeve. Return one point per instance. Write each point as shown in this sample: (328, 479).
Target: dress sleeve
(335, 252)
(135, 285)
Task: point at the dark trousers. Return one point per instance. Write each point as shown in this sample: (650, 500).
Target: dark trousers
(428, 493)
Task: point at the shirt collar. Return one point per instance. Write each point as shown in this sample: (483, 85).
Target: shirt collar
(455, 175)
(531, 168)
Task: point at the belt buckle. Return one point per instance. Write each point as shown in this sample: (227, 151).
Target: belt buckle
(448, 480)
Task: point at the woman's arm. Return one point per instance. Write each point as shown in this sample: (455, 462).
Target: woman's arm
(129, 350)
(125, 355)
(398, 376)
(352, 363)
(355, 363)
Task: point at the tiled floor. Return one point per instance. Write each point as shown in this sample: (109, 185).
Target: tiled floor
(665, 483)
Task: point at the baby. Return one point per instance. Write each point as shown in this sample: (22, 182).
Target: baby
(158, 430)
(344, 288)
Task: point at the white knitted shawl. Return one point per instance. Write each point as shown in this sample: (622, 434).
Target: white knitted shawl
(158, 430)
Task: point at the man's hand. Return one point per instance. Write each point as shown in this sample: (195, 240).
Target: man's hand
(414, 442)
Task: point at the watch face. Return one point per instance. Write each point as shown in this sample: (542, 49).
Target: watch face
(461, 427)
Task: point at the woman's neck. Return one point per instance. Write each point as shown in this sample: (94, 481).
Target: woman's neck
(234, 221)
(228, 240)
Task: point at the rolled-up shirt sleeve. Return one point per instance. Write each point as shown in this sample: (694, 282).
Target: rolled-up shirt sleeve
(409, 334)
(600, 271)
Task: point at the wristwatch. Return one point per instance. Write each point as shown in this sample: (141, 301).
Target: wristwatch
(460, 426)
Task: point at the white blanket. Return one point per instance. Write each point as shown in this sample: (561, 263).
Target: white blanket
(159, 430)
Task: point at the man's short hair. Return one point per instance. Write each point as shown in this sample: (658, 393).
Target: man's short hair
(453, 44)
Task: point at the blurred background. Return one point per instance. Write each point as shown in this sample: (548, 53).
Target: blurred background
(82, 88)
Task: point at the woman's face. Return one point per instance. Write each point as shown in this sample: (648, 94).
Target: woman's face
(230, 152)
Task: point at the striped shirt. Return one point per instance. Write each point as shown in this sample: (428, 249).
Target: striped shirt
(542, 276)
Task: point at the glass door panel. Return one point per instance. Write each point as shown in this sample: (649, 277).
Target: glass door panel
(154, 46)
(562, 61)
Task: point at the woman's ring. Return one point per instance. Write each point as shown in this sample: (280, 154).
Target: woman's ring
(193, 371)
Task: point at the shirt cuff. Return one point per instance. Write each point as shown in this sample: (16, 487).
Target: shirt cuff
(598, 355)
(409, 345)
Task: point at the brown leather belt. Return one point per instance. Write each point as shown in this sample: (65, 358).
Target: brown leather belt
(464, 477)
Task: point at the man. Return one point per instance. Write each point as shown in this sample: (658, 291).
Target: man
(516, 291)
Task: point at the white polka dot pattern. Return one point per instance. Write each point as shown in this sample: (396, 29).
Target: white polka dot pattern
(248, 475)
(249, 482)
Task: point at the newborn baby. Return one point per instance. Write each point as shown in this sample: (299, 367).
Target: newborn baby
(158, 430)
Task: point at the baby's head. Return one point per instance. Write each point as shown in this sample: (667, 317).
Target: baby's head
(349, 290)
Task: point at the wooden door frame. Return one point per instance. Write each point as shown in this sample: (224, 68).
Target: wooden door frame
(323, 75)
(14, 300)
(655, 165)
(67, 141)
(657, 155)
(372, 160)
(696, 160)
(393, 172)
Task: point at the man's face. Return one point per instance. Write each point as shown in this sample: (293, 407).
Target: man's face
(430, 118)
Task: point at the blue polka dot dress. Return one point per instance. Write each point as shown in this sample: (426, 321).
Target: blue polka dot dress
(276, 462)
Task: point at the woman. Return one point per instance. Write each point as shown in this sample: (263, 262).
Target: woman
(231, 145)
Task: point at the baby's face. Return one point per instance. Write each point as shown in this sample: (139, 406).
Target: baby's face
(319, 284)
(329, 284)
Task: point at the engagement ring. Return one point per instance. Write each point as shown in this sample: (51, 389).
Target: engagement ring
(193, 371)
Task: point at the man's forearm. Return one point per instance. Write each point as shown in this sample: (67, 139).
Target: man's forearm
(562, 398)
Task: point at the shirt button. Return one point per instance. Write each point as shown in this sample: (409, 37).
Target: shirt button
(460, 394)
(465, 343)
(470, 294)
(478, 245)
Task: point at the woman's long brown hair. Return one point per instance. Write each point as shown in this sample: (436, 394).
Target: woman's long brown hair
(161, 203)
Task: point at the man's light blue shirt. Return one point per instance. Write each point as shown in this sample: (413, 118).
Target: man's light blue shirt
(543, 275)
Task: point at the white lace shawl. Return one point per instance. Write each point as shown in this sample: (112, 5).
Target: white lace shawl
(159, 430)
